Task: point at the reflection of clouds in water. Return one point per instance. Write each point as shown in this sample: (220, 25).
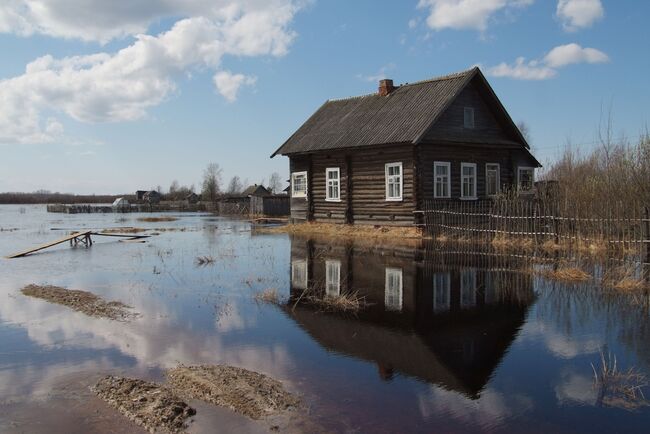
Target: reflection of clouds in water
(490, 410)
(576, 388)
(154, 340)
(558, 342)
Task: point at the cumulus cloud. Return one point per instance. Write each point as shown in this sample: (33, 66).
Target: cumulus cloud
(577, 14)
(466, 14)
(122, 86)
(379, 75)
(548, 66)
(228, 84)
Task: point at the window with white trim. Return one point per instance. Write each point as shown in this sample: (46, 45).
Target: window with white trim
(299, 274)
(441, 179)
(393, 295)
(299, 184)
(333, 179)
(468, 117)
(468, 288)
(394, 181)
(333, 278)
(525, 178)
(441, 292)
(492, 179)
(468, 180)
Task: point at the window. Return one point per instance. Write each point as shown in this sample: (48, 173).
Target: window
(468, 180)
(492, 179)
(394, 181)
(441, 292)
(299, 274)
(468, 288)
(299, 184)
(441, 179)
(525, 178)
(333, 278)
(468, 117)
(393, 294)
(333, 176)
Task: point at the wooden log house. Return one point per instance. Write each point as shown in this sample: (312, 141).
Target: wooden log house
(374, 159)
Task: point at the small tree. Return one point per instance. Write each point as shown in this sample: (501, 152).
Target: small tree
(211, 182)
(235, 185)
(275, 183)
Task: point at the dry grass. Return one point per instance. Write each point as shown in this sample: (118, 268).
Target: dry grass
(620, 389)
(392, 234)
(624, 279)
(204, 260)
(269, 295)
(125, 230)
(567, 274)
(503, 242)
(157, 219)
(346, 302)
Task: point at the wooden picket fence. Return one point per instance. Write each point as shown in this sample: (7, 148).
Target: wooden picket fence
(537, 221)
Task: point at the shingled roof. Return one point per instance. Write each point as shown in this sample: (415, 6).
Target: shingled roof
(403, 116)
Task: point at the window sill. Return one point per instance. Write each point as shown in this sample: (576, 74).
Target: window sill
(468, 198)
(442, 197)
(394, 199)
(332, 200)
(299, 197)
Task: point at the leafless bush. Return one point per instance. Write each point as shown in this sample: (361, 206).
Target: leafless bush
(621, 389)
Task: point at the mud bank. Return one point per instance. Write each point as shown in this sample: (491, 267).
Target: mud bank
(249, 393)
(81, 301)
(149, 405)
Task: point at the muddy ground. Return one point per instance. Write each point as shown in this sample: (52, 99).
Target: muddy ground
(249, 393)
(81, 301)
(150, 405)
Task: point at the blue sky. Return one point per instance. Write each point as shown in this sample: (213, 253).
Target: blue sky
(102, 110)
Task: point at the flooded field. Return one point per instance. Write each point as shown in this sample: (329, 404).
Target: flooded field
(427, 341)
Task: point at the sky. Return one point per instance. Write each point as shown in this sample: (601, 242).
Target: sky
(110, 97)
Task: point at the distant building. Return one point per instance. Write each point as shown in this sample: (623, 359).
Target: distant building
(139, 195)
(152, 197)
(120, 204)
(256, 190)
(192, 198)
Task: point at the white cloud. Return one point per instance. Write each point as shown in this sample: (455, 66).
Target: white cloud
(122, 86)
(380, 75)
(577, 14)
(573, 53)
(548, 66)
(228, 84)
(466, 14)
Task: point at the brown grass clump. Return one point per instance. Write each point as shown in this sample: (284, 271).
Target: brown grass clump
(623, 279)
(269, 295)
(246, 392)
(81, 301)
(504, 242)
(126, 230)
(567, 274)
(346, 302)
(620, 389)
(150, 405)
(157, 219)
(392, 234)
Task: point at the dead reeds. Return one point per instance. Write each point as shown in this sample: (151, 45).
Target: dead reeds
(565, 273)
(157, 219)
(624, 278)
(616, 388)
(269, 295)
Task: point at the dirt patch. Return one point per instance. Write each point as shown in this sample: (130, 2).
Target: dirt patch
(126, 230)
(157, 219)
(81, 301)
(150, 405)
(249, 393)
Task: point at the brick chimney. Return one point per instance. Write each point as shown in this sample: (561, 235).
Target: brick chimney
(385, 87)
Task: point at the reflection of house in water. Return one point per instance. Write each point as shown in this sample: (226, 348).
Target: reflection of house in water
(445, 325)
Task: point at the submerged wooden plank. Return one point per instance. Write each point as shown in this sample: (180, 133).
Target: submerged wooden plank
(50, 244)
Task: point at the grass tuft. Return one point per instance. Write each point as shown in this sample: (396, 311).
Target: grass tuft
(616, 388)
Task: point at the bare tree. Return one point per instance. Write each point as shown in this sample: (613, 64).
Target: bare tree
(211, 182)
(524, 129)
(275, 183)
(235, 185)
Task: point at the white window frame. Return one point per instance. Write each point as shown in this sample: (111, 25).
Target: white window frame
(468, 276)
(394, 296)
(466, 119)
(498, 166)
(462, 181)
(335, 182)
(437, 164)
(295, 193)
(299, 277)
(532, 181)
(442, 285)
(388, 179)
(333, 286)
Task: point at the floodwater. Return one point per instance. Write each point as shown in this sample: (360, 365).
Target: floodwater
(448, 342)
